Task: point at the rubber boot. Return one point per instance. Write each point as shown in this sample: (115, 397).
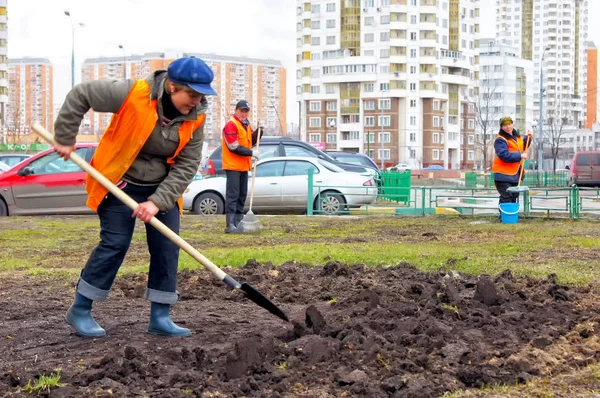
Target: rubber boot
(161, 323)
(230, 220)
(80, 317)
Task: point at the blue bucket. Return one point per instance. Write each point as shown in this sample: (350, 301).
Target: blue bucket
(509, 213)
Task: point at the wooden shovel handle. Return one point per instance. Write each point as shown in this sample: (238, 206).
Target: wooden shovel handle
(254, 171)
(132, 204)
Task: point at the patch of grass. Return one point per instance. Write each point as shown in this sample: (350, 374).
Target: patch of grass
(43, 384)
(452, 308)
(282, 366)
(11, 263)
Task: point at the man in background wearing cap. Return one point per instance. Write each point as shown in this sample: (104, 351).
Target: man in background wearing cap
(151, 151)
(237, 142)
(510, 150)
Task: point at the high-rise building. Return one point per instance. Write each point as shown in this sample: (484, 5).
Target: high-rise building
(30, 95)
(553, 34)
(3, 70)
(260, 81)
(505, 88)
(591, 116)
(393, 79)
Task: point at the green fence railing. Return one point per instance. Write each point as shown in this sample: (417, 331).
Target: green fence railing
(544, 179)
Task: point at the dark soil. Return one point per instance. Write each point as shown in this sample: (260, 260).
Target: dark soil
(354, 331)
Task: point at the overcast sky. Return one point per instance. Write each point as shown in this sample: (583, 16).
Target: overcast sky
(253, 28)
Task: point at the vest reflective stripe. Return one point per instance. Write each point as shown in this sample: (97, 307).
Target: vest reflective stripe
(124, 138)
(502, 167)
(233, 161)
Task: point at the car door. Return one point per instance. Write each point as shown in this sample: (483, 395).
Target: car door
(267, 187)
(583, 163)
(295, 186)
(596, 168)
(53, 185)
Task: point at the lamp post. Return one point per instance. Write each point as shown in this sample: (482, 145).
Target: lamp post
(381, 122)
(81, 24)
(541, 123)
(124, 62)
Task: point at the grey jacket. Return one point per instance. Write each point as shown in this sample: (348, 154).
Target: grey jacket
(150, 167)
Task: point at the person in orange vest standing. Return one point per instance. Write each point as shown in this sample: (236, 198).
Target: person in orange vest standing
(237, 154)
(510, 151)
(151, 150)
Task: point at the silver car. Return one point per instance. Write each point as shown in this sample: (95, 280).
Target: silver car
(282, 185)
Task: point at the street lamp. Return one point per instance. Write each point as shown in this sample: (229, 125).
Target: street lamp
(541, 139)
(124, 62)
(381, 122)
(81, 24)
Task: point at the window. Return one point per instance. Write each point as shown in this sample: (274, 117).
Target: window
(385, 104)
(413, 19)
(384, 86)
(316, 8)
(386, 138)
(369, 137)
(369, 21)
(471, 140)
(384, 53)
(270, 169)
(413, 103)
(331, 106)
(413, 53)
(413, 36)
(330, 89)
(413, 86)
(384, 36)
(369, 121)
(315, 24)
(315, 122)
(330, 40)
(413, 69)
(315, 41)
(53, 164)
(383, 69)
(386, 154)
(413, 120)
(315, 106)
(436, 121)
(330, 7)
(470, 155)
(331, 138)
(384, 19)
(384, 121)
(369, 37)
(330, 23)
(436, 105)
(314, 137)
(299, 167)
(294, 150)
(368, 87)
(471, 124)
(315, 89)
(369, 105)
(315, 73)
(435, 154)
(436, 138)
(412, 137)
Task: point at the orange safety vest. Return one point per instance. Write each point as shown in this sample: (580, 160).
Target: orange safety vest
(233, 161)
(127, 133)
(502, 167)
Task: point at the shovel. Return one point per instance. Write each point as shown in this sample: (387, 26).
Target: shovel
(250, 223)
(519, 187)
(251, 293)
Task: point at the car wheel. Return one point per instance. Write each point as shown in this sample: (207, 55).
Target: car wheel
(3, 209)
(331, 203)
(208, 203)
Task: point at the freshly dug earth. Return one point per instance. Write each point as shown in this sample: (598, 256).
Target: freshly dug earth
(355, 331)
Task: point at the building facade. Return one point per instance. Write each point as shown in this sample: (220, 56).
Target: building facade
(552, 33)
(506, 88)
(30, 95)
(260, 81)
(591, 116)
(3, 70)
(393, 79)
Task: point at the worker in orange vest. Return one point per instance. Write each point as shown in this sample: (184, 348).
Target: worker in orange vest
(151, 150)
(237, 141)
(510, 152)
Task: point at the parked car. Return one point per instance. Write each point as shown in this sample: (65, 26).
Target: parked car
(12, 159)
(3, 167)
(399, 167)
(358, 159)
(585, 169)
(282, 185)
(281, 146)
(46, 184)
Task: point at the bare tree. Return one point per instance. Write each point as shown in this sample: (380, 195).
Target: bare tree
(488, 99)
(558, 122)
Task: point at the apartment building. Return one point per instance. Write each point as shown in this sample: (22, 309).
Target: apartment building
(3, 70)
(29, 96)
(393, 79)
(552, 33)
(506, 88)
(260, 81)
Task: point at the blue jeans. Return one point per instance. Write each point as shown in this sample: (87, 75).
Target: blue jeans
(116, 230)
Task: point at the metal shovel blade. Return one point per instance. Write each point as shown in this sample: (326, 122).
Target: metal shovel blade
(262, 301)
(519, 188)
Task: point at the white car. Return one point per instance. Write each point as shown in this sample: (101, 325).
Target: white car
(282, 185)
(399, 167)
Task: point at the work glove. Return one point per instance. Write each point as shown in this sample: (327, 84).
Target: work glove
(256, 154)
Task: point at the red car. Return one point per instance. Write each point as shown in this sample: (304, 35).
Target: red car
(46, 184)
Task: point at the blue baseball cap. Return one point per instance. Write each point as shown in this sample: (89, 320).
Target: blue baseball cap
(192, 72)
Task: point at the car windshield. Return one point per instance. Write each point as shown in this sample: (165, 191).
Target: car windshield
(330, 166)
